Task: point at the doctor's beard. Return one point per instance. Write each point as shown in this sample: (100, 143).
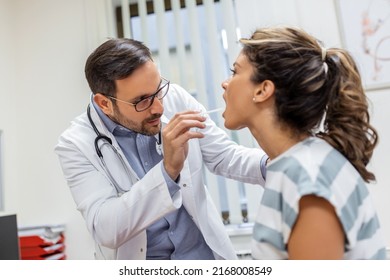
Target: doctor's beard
(143, 128)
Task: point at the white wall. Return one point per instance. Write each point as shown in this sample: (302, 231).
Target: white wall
(44, 44)
(7, 92)
(380, 163)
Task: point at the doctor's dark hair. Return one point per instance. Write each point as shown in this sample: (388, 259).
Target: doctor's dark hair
(317, 90)
(114, 60)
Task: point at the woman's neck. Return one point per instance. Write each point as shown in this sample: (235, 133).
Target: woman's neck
(275, 140)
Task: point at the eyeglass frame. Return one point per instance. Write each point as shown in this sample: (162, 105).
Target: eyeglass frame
(150, 97)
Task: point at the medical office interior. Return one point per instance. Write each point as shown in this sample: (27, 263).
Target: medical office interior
(43, 48)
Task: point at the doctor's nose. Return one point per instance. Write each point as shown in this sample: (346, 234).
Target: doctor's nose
(157, 107)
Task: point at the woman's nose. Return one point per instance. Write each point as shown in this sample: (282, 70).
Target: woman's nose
(224, 84)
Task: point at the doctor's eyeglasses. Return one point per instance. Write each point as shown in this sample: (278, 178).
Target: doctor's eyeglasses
(146, 102)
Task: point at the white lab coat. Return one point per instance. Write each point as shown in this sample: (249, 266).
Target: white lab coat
(118, 222)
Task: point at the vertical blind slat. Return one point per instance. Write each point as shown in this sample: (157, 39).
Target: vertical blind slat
(180, 44)
(144, 21)
(196, 51)
(214, 53)
(229, 20)
(110, 19)
(126, 18)
(163, 47)
(214, 97)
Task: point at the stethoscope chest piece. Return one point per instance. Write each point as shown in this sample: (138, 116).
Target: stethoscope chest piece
(158, 148)
(158, 144)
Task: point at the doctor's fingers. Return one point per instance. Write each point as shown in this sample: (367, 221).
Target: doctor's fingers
(179, 135)
(181, 126)
(186, 116)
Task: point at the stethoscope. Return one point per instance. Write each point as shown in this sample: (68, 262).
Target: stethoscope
(107, 141)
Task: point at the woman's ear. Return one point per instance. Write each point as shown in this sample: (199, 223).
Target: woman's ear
(264, 91)
(103, 102)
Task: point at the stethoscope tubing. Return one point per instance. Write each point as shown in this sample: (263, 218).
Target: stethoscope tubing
(107, 141)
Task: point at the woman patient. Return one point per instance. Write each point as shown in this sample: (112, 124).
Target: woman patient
(307, 109)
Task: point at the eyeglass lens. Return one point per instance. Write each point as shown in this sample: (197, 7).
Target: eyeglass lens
(147, 102)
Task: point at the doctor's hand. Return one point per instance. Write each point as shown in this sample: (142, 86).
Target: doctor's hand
(180, 129)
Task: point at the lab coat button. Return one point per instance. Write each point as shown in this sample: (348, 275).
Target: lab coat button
(142, 250)
(184, 185)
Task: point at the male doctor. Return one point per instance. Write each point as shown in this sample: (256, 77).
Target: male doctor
(133, 162)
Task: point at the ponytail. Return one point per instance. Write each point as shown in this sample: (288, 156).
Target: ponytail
(347, 122)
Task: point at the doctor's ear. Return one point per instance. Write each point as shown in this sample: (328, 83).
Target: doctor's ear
(264, 91)
(103, 102)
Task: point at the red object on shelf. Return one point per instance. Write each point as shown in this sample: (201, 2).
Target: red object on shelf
(59, 256)
(42, 242)
(37, 251)
(39, 240)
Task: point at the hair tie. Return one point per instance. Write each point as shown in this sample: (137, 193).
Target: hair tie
(325, 67)
(323, 56)
(323, 50)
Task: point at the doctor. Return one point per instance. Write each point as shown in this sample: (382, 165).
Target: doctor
(133, 162)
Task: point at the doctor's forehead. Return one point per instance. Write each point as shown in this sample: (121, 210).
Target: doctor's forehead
(144, 81)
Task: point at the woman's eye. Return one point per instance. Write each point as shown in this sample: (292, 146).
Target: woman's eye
(233, 71)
